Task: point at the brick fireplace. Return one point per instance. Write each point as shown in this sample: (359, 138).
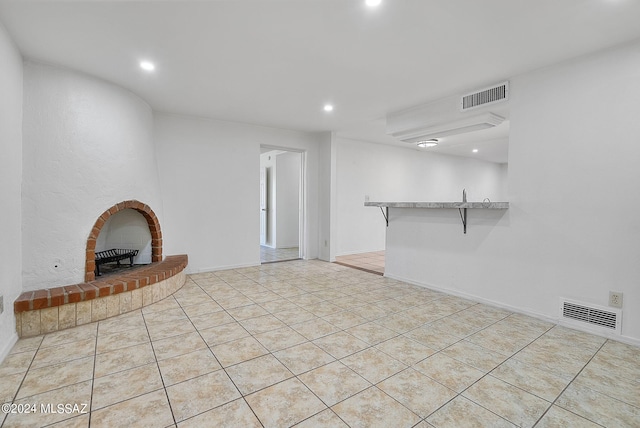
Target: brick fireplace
(154, 229)
(52, 309)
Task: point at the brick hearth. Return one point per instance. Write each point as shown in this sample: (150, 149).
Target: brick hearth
(44, 311)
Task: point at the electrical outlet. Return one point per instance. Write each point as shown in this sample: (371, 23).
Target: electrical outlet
(615, 299)
(1, 304)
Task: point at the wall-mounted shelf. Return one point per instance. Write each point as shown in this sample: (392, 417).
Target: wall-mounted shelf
(442, 205)
(460, 206)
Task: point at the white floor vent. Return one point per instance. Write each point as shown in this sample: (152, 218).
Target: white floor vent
(592, 316)
(486, 96)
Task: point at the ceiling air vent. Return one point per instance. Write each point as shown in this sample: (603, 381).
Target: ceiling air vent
(603, 319)
(491, 95)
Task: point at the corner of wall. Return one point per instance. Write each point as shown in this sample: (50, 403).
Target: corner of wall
(327, 185)
(11, 88)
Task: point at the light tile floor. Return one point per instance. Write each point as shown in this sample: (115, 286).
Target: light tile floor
(269, 255)
(320, 345)
(368, 262)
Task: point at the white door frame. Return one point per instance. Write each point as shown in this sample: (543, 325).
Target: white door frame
(264, 204)
(302, 199)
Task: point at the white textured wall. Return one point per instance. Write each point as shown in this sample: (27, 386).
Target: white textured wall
(389, 173)
(10, 179)
(287, 200)
(127, 229)
(327, 196)
(572, 230)
(87, 146)
(210, 176)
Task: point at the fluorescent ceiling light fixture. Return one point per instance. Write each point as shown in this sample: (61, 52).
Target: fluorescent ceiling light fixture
(373, 3)
(475, 150)
(424, 131)
(147, 65)
(328, 107)
(428, 143)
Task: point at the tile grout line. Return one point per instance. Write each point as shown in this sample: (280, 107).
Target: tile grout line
(93, 373)
(296, 376)
(218, 361)
(489, 373)
(331, 282)
(24, 377)
(370, 346)
(201, 375)
(569, 384)
(198, 330)
(398, 334)
(155, 356)
(308, 340)
(243, 396)
(459, 394)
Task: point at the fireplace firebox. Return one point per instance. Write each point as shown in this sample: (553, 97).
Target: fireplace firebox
(92, 262)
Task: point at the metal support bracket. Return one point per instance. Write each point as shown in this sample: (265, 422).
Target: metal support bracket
(386, 216)
(463, 217)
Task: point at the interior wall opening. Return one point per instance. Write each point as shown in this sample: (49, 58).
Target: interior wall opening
(281, 204)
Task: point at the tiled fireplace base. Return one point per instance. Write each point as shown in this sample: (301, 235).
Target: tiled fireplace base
(44, 311)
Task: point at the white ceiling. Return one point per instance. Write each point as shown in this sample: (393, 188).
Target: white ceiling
(277, 62)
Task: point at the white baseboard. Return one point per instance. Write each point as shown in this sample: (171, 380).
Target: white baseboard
(349, 253)
(217, 268)
(619, 338)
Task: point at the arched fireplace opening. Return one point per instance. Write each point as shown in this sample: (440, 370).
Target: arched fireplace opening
(107, 218)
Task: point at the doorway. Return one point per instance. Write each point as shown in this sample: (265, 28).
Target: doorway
(281, 204)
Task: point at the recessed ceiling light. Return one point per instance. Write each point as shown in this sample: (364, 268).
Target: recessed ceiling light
(475, 150)
(428, 143)
(373, 3)
(328, 107)
(147, 65)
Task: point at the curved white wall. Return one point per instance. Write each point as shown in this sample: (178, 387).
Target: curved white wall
(87, 146)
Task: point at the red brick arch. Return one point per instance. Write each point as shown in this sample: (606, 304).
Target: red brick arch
(154, 228)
